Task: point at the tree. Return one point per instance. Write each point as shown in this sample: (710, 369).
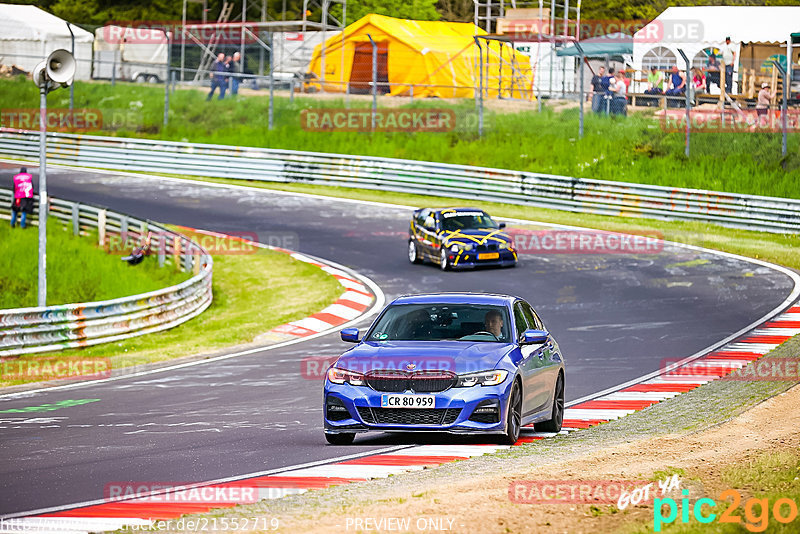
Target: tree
(403, 9)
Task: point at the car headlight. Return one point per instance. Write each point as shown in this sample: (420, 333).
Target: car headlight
(455, 247)
(505, 245)
(484, 378)
(341, 376)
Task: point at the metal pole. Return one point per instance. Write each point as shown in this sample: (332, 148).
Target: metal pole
(374, 80)
(688, 102)
(241, 49)
(72, 85)
(43, 200)
(480, 85)
(166, 80)
(183, 38)
(784, 101)
(580, 94)
(271, 80)
(787, 80)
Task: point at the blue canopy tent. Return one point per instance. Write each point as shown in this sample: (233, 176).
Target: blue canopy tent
(613, 46)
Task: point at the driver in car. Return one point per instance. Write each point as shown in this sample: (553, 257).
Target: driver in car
(493, 322)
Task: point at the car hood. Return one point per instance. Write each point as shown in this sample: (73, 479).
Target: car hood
(479, 237)
(457, 356)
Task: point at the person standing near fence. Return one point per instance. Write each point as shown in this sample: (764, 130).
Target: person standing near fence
(236, 72)
(597, 89)
(728, 57)
(218, 79)
(762, 104)
(23, 197)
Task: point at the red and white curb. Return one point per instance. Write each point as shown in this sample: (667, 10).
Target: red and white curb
(351, 305)
(668, 383)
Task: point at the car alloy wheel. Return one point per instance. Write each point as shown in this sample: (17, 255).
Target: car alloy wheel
(413, 255)
(443, 259)
(557, 415)
(514, 416)
(340, 439)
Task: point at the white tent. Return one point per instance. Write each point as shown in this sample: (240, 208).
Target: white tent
(28, 35)
(695, 30)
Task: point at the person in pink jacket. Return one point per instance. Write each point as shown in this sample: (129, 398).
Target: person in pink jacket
(23, 197)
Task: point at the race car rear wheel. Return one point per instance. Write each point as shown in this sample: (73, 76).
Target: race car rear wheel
(340, 439)
(443, 262)
(513, 417)
(413, 253)
(557, 415)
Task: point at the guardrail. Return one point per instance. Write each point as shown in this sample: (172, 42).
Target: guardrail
(43, 329)
(408, 176)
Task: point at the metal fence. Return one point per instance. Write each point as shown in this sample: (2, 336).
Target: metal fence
(751, 212)
(51, 328)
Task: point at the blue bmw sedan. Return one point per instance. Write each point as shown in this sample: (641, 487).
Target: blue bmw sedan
(466, 363)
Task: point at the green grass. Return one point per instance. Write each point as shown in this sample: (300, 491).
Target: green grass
(252, 294)
(633, 149)
(77, 269)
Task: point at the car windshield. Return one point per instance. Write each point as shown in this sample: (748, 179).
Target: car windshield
(436, 322)
(466, 220)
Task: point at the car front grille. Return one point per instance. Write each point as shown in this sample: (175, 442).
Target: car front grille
(409, 416)
(488, 247)
(391, 380)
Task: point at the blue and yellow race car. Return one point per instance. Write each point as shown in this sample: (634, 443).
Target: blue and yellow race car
(458, 238)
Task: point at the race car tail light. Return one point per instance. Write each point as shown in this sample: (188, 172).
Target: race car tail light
(341, 376)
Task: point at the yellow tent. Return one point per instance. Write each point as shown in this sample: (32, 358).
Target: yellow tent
(438, 58)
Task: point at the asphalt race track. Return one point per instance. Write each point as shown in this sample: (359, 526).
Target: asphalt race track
(616, 316)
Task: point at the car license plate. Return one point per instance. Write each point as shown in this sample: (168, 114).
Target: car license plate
(489, 256)
(408, 401)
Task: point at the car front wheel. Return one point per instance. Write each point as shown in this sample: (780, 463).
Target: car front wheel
(557, 415)
(340, 439)
(443, 262)
(413, 253)
(513, 417)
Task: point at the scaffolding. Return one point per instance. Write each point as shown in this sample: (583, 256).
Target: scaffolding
(553, 26)
(259, 32)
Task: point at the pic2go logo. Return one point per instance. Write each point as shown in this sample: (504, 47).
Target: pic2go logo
(756, 511)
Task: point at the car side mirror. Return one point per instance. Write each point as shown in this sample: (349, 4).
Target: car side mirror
(501, 225)
(350, 335)
(534, 337)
